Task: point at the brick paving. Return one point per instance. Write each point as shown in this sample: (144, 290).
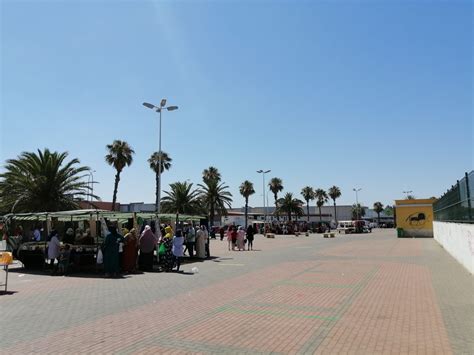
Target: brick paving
(356, 294)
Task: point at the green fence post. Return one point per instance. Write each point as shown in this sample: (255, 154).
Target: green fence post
(468, 197)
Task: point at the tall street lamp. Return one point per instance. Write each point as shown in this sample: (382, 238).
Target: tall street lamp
(159, 109)
(263, 172)
(357, 201)
(92, 182)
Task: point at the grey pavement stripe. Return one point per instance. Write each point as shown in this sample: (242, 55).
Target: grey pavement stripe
(321, 332)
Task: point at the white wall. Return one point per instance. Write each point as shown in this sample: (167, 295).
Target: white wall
(458, 240)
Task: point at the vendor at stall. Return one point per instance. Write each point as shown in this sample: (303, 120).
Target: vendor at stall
(69, 236)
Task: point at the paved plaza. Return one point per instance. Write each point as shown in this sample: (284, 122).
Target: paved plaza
(354, 294)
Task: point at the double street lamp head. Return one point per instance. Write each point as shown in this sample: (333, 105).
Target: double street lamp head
(261, 171)
(162, 106)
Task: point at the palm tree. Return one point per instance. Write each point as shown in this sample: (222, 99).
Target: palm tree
(378, 207)
(211, 173)
(410, 197)
(43, 181)
(357, 211)
(215, 197)
(321, 198)
(120, 155)
(154, 162)
(334, 193)
(181, 200)
(308, 194)
(290, 205)
(276, 186)
(246, 189)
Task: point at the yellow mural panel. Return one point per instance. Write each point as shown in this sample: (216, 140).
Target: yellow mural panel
(415, 217)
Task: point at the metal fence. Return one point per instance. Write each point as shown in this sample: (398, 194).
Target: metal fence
(456, 205)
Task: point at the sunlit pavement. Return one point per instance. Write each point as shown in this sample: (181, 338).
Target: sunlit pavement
(355, 294)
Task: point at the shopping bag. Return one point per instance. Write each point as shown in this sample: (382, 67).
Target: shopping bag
(162, 249)
(100, 257)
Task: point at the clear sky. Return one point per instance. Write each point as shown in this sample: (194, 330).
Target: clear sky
(375, 94)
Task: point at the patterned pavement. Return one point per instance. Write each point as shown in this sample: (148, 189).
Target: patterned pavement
(356, 294)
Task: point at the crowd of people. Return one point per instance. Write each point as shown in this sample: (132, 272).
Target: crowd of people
(129, 251)
(132, 252)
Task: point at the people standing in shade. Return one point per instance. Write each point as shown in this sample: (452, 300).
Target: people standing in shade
(250, 236)
(200, 243)
(111, 252)
(167, 258)
(147, 244)
(37, 234)
(177, 248)
(130, 252)
(240, 239)
(190, 240)
(69, 236)
(54, 247)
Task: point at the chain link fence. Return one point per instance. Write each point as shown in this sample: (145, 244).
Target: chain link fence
(456, 205)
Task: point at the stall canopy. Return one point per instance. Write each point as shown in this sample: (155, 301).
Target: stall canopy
(85, 215)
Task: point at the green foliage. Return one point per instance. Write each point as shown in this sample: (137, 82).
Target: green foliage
(378, 207)
(211, 174)
(334, 193)
(182, 199)
(357, 211)
(246, 189)
(308, 193)
(276, 186)
(120, 155)
(154, 161)
(215, 197)
(388, 211)
(290, 205)
(43, 181)
(321, 197)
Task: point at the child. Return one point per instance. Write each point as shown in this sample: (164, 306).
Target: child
(177, 248)
(64, 259)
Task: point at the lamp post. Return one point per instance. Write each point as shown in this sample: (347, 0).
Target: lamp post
(357, 201)
(91, 181)
(263, 172)
(407, 193)
(159, 109)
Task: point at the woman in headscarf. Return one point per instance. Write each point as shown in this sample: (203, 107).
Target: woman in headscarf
(130, 252)
(240, 238)
(250, 234)
(147, 245)
(53, 248)
(167, 258)
(111, 252)
(200, 243)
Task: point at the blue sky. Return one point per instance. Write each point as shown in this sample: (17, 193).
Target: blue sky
(376, 95)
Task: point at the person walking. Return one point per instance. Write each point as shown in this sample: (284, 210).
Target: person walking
(200, 243)
(233, 236)
(240, 239)
(146, 243)
(250, 236)
(191, 240)
(221, 233)
(207, 240)
(166, 258)
(111, 252)
(130, 252)
(229, 236)
(177, 248)
(54, 247)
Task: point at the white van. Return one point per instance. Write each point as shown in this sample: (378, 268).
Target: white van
(345, 227)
